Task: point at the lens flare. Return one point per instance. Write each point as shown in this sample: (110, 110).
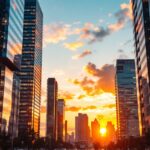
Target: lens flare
(103, 131)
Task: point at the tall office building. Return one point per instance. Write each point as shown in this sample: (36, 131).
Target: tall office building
(126, 99)
(95, 130)
(111, 133)
(141, 22)
(15, 99)
(51, 119)
(61, 119)
(11, 30)
(81, 128)
(31, 65)
(66, 130)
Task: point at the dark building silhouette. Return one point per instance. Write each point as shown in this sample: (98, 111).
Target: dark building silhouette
(66, 130)
(82, 132)
(11, 34)
(95, 130)
(61, 120)
(126, 99)
(111, 133)
(31, 65)
(141, 23)
(51, 119)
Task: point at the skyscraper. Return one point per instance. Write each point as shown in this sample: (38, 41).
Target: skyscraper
(13, 128)
(61, 120)
(126, 99)
(66, 130)
(81, 128)
(95, 129)
(141, 22)
(111, 133)
(31, 65)
(11, 30)
(51, 119)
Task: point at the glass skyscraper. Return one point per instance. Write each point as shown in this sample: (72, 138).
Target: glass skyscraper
(61, 120)
(126, 99)
(141, 23)
(11, 29)
(51, 118)
(31, 65)
(15, 99)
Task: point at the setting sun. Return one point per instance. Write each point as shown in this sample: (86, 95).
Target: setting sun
(103, 131)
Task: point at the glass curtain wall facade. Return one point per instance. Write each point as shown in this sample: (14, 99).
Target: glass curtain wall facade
(82, 132)
(61, 120)
(126, 99)
(31, 65)
(141, 23)
(11, 30)
(15, 99)
(51, 118)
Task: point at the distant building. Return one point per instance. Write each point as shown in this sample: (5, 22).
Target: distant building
(71, 138)
(95, 130)
(66, 130)
(141, 23)
(111, 133)
(81, 128)
(61, 120)
(51, 118)
(126, 99)
(11, 36)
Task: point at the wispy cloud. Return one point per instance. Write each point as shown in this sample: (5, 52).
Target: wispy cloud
(83, 54)
(76, 109)
(57, 32)
(122, 54)
(110, 106)
(66, 95)
(74, 45)
(98, 34)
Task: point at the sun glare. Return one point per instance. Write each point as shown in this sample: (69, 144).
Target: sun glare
(103, 131)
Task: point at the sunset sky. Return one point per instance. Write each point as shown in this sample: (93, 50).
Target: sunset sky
(81, 42)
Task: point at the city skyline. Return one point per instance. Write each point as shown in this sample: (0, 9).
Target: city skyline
(74, 74)
(82, 58)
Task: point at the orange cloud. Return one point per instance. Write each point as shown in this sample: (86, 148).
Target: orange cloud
(81, 96)
(128, 6)
(85, 53)
(66, 95)
(74, 45)
(86, 85)
(73, 109)
(104, 82)
(77, 109)
(89, 108)
(106, 76)
(110, 106)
